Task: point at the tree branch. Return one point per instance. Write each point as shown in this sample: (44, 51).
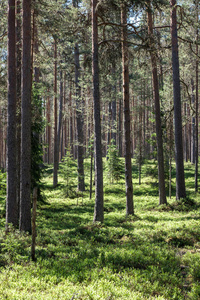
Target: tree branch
(189, 96)
(3, 35)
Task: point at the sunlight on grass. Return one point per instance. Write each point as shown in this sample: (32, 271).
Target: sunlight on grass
(154, 254)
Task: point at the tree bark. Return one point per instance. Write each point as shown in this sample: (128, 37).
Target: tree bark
(197, 104)
(91, 171)
(193, 138)
(60, 117)
(79, 122)
(160, 156)
(18, 89)
(119, 129)
(114, 108)
(125, 72)
(55, 156)
(11, 203)
(25, 190)
(180, 176)
(34, 234)
(140, 141)
(99, 203)
(48, 129)
(71, 129)
(79, 117)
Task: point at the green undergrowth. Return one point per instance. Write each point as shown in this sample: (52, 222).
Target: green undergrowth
(154, 254)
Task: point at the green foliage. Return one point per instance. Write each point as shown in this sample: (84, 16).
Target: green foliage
(184, 204)
(14, 247)
(139, 155)
(37, 128)
(151, 255)
(192, 260)
(152, 172)
(114, 166)
(195, 292)
(68, 171)
(2, 183)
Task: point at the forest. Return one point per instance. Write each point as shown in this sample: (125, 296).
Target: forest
(99, 149)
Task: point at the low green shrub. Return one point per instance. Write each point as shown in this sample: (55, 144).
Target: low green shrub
(2, 183)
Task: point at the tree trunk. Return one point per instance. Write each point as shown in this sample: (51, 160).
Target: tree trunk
(113, 108)
(120, 127)
(185, 135)
(197, 105)
(55, 156)
(48, 129)
(193, 126)
(161, 170)
(71, 131)
(99, 203)
(34, 234)
(140, 141)
(91, 169)
(125, 72)
(170, 149)
(180, 176)
(188, 134)
(62, 154)
(11, 203)
(25, 190)
(79, 118)
(60, 117)
(144, 119)
(18, 89)
(79, 122)
(108, 113)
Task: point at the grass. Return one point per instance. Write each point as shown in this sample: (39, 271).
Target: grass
(154, 254)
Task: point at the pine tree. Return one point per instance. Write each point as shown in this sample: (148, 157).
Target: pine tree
(98, 211)
(161, 171)
(11, 203)
(180, 177)
(125, 71)
(25, 189)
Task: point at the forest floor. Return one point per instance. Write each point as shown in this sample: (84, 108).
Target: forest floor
(154, 254)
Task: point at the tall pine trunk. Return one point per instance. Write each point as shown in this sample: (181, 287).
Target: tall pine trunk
(79, 122)
(79, 118)
(197, 104)
(180, 176)
(18, 89)
(114, 108)
(60, 117)
(48, 129)
(125, 72)
(99, 205)
(25, 189)
(160, 156)
(11, 203)
(119, 129)
(55, 156)
(193, 126)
